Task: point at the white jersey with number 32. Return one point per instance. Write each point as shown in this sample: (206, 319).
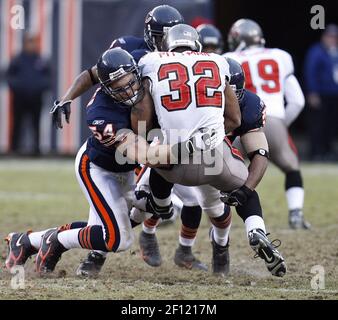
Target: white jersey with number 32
(188, 91)
(265, 73)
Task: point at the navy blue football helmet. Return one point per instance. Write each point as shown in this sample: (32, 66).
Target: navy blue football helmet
(237, 79)
(157, 22)
(210, 38)
(113, 65)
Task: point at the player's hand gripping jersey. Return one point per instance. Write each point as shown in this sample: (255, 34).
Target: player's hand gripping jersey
(188, 91)
(266, 71)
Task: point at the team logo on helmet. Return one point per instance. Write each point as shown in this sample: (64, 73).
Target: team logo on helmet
(148, 18)
(117, 74)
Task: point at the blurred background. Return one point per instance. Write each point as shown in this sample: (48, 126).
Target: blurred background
(68, 36)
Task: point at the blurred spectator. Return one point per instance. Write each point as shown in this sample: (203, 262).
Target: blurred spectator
(28, 77)
(321, 77)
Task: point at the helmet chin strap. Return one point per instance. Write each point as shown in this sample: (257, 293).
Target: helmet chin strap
(241, 46)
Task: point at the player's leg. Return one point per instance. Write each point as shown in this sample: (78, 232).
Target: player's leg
(149, 248)
(22, 245)
(105, 196)
(191, 215)
(252, 216)
(283, 154)
(159, 201)
(209, 200)
(93, 263)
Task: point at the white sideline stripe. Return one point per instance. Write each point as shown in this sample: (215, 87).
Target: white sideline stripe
(34, 165)
(308, 169)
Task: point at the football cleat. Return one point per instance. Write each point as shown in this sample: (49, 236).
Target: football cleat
(184, 258)
(296, 220)
(150, 250)
(50, 252)
(266, 250)
(220, 257)
(92, 265)
(19, 249)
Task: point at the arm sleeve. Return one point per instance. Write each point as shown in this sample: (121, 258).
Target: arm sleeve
(118, 43)
(294, 99)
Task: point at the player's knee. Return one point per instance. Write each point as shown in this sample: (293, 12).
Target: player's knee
(240, 175)
(214, 211)
(288, 162)
(125, 241)
(223, 220)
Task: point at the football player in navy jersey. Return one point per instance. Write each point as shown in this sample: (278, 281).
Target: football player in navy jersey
(156, 22)
(107, 184)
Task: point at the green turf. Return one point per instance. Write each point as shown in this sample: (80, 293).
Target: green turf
(39, 194)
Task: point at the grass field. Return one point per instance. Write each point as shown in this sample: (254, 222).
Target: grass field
(36, 194)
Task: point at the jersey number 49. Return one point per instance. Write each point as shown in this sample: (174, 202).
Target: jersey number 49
(268, 71)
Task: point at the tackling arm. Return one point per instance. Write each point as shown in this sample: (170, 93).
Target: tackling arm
(232, 112)
(137, 149)
(83, 82)
(256, 147)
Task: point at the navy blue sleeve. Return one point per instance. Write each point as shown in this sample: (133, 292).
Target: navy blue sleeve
(253, 113)
(129, 43)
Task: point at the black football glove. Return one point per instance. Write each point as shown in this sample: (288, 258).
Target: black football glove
(237, 197)
(57, 110)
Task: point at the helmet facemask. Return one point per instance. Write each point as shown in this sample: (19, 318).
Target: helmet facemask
(239, 92)
(128, 94)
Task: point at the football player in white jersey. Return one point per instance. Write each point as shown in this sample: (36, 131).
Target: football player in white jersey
(187, 90)
(270, 74)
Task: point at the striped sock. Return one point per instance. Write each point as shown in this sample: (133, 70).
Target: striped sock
(221, 228)
(149, 225)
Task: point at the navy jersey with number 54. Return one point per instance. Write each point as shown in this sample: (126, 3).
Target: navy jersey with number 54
(105, 118)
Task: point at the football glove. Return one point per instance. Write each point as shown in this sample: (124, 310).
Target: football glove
(237, 197)
(204, 140)
(57, 110)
